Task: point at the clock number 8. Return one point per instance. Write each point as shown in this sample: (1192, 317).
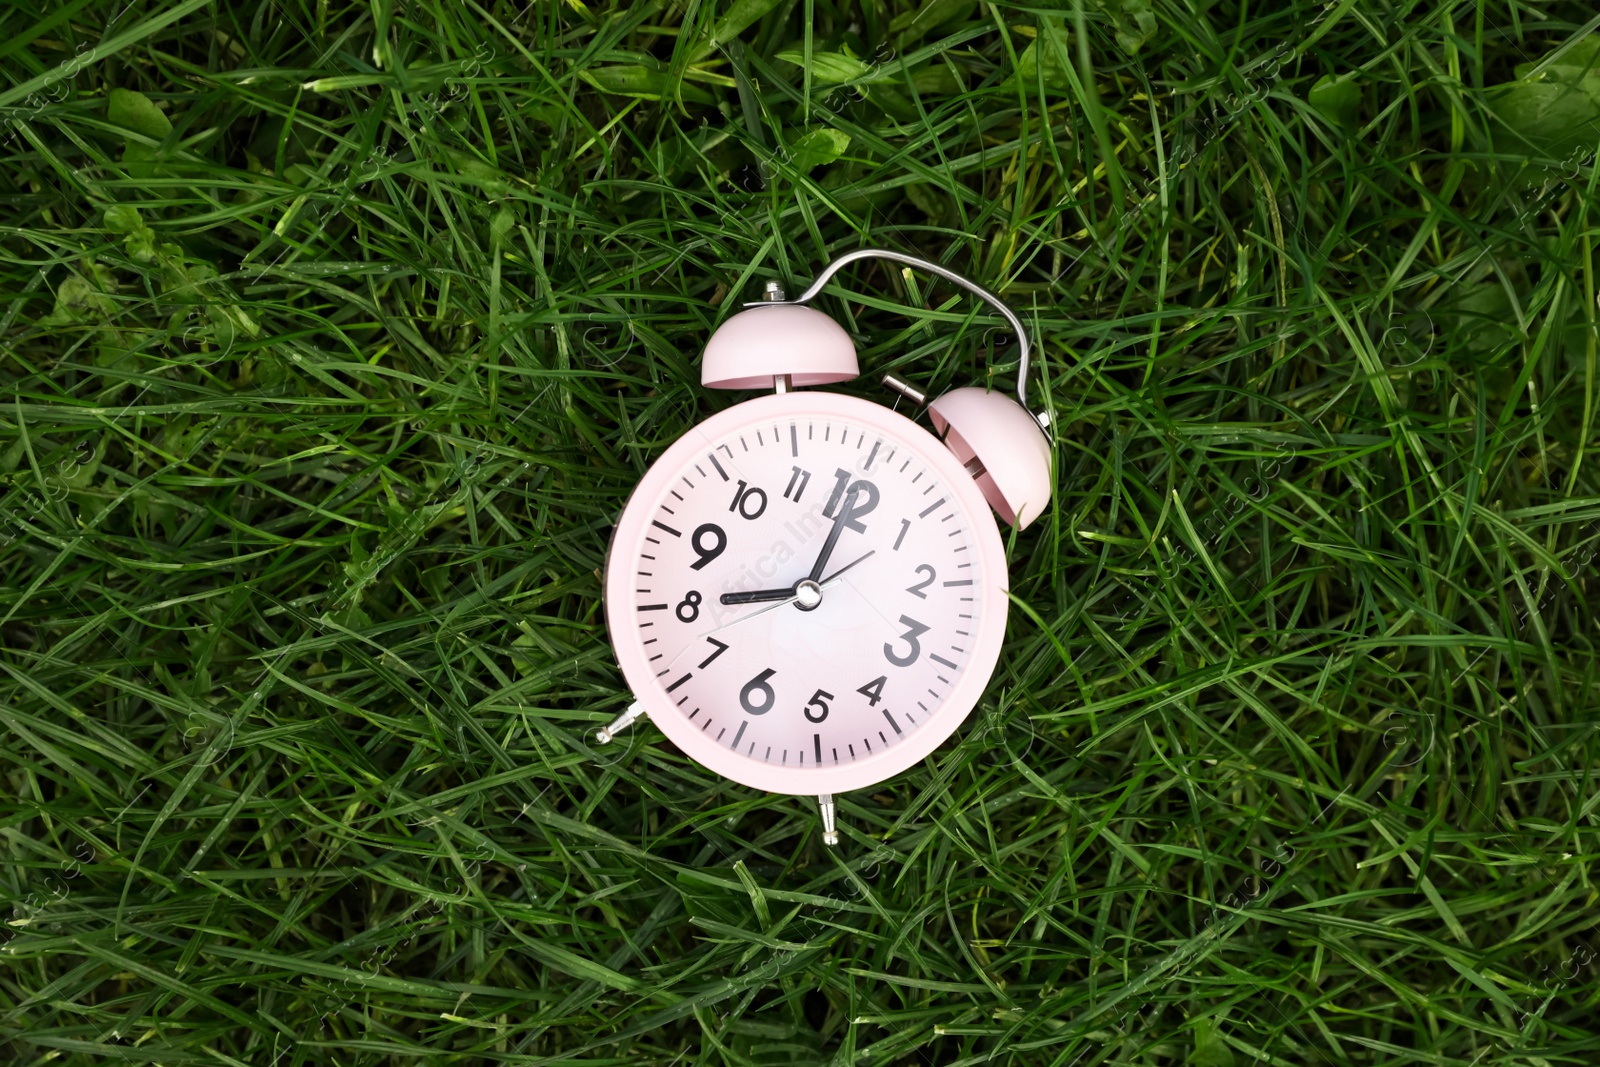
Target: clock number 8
(688, 608)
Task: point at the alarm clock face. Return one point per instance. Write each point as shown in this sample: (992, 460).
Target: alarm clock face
(807, 593)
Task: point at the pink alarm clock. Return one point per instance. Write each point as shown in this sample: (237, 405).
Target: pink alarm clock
(807, 591)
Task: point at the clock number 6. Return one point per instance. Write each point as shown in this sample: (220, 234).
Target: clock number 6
(758, 686)
(818, 699)
(914, 630)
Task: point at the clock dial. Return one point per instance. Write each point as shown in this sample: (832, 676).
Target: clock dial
(810, 586)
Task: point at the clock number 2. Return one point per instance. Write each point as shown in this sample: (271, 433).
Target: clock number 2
(917, 590)
(758, 687)
(914, 630)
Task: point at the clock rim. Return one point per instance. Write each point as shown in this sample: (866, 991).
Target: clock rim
(621, 606)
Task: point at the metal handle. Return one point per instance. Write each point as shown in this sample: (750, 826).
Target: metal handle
(950, 276)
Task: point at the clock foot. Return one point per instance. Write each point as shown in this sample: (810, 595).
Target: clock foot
(620, 723)
(830, 833)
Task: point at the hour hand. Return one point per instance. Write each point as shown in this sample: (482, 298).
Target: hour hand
(758, 596)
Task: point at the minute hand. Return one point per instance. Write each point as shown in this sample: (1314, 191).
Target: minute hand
(833, 538)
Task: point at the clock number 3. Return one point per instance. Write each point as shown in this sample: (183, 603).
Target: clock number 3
(756, 689)
(914, 630)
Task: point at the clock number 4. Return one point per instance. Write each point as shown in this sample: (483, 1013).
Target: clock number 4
(819, 699)
(873, 690)
(748, 501)
(758, 689)
(862, 498)
(914, 630)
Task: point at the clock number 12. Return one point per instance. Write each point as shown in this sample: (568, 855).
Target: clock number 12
(862, 498)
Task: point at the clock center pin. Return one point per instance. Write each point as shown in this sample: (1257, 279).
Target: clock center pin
(807, 594)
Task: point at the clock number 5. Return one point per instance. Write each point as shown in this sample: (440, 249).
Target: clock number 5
(914, 630)
(758, 688)
(819, 699)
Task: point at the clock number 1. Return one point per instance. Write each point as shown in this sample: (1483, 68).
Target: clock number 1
(914, 630)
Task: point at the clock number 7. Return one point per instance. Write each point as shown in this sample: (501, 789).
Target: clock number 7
(721, 648)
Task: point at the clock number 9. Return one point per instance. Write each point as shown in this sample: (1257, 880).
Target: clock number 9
(707, 530)
(758, 686)
(914, 630)
(818, 699)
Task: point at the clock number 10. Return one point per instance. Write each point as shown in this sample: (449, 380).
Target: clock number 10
(748, 501)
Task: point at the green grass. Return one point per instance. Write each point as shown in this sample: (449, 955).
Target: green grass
(334, 337)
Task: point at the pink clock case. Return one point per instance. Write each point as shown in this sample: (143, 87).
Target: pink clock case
(622, 616)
